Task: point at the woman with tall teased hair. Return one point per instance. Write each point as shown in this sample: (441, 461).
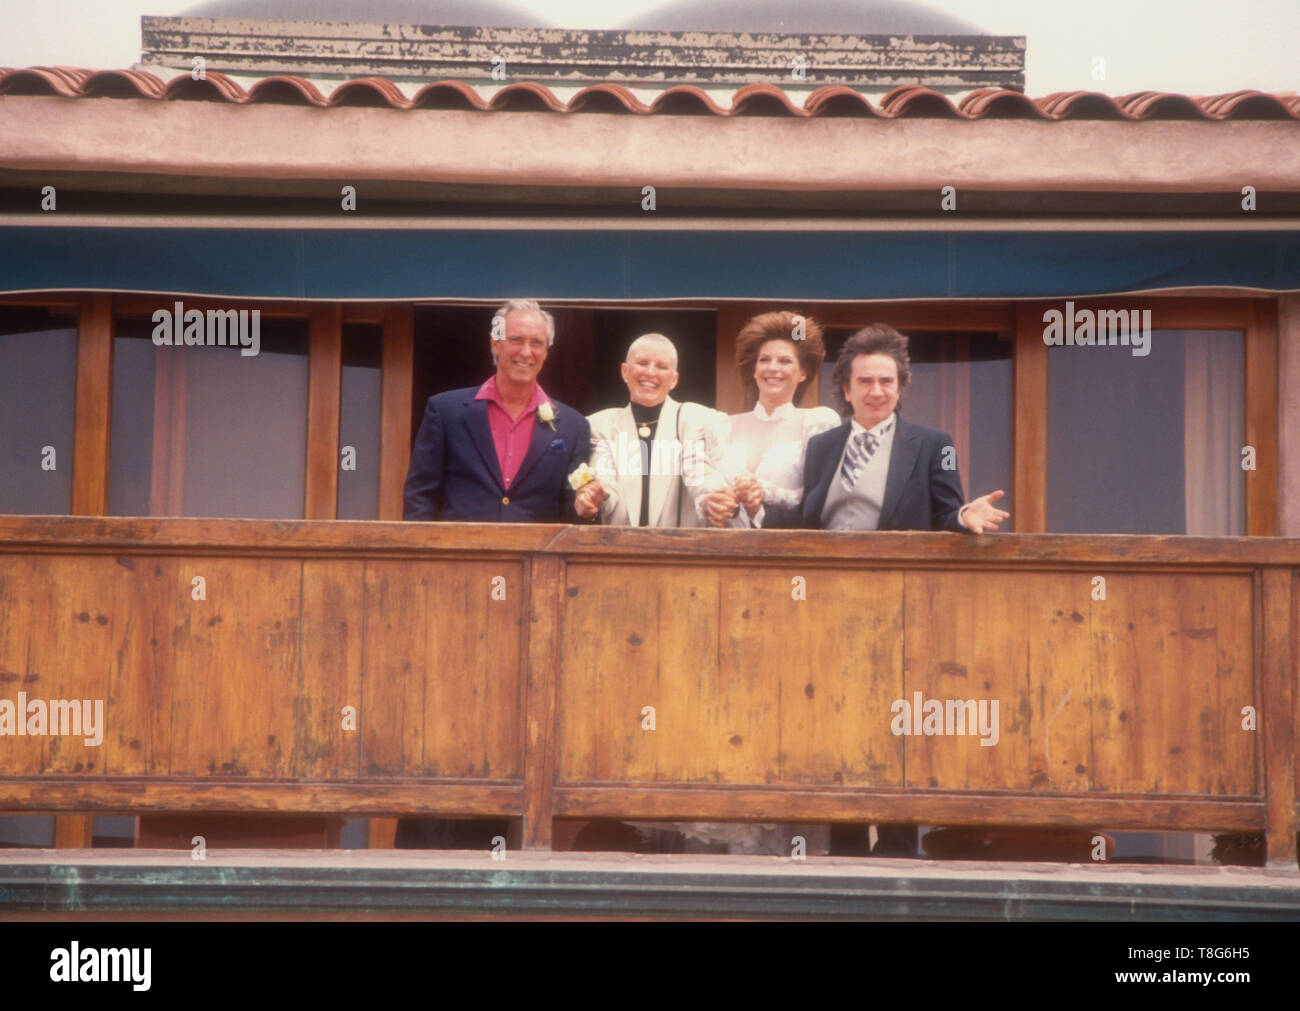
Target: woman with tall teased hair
(778, 354)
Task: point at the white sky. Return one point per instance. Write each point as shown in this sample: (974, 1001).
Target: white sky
(1199, 47)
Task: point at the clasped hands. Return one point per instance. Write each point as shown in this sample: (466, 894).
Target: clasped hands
(721, 505)
(588, 500)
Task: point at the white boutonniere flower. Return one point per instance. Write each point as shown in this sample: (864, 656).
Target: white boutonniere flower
(583, 475)
(546, 414)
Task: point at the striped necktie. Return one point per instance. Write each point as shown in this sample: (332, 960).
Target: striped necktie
(859, 452)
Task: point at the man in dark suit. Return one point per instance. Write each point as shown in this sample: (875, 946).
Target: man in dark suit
(879, 472)
(497, 453)
(501, 452)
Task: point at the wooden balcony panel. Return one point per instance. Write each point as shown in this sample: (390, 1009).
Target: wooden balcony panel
(253, 681)
(748, 685)
(441, 689)
(507, 670)
(754, 683)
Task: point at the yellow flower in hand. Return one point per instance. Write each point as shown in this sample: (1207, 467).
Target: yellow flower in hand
(583, 475)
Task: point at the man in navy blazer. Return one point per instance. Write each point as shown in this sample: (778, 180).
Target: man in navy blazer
(877, 471)
(497, 453)
(501, 452)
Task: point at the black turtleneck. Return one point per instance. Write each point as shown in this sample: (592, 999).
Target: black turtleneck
(642, 415)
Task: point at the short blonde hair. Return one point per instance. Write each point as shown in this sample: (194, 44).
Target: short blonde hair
(653, 338)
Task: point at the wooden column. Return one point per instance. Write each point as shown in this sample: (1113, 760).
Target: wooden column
(730, 389)
(1262, 376)
(395, 407)
(545, 591)
(1277, 713)
(325, 357)
(94, 407)
(73, 831)
(1029, 424)
(90, 440)
(396, 381)
(1288, 418)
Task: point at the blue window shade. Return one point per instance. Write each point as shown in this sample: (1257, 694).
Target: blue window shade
(618, 265)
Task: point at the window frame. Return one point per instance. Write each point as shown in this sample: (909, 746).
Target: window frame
(1018, 321)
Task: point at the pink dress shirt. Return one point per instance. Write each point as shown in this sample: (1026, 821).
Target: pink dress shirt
(511, 436)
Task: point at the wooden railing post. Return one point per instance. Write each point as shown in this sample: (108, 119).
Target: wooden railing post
(94, 407)
(396, 385)
(325, 358)
(729, 389)
(1277, 721)
(94, 411)
(394, 455)
(73, 831)
(541, 670)
(1029, 460)
(1262, 428)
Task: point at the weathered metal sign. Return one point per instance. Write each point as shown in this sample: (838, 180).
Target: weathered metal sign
(240, 46)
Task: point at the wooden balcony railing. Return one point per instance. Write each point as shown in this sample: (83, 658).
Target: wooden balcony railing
(387, 668)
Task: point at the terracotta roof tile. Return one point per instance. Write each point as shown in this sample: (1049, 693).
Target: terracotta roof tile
(684, 98)
(839, 100)
(64, 81)
(765, 99)
(285, 89)
(448, 95)
(1160, 105)
(909, 102)
(526, 96)
(369, 91)
(212, 87)
(607, 98)
(998, 103)
(1080, 105)
(1261, 106)
(918, 102)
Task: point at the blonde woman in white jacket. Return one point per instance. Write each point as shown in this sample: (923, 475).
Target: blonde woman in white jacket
(648, 455)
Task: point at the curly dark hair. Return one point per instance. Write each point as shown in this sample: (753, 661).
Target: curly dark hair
(779, 326)
(876, 339)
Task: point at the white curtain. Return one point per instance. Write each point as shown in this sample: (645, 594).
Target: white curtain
(1215, 420)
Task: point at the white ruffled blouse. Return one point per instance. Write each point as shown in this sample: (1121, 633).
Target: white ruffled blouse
(769, 446)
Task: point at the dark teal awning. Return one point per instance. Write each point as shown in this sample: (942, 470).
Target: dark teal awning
(347, 264)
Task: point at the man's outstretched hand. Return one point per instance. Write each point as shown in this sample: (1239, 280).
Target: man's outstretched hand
(981, 514)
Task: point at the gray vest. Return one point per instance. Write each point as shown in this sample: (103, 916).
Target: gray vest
(860, 508)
